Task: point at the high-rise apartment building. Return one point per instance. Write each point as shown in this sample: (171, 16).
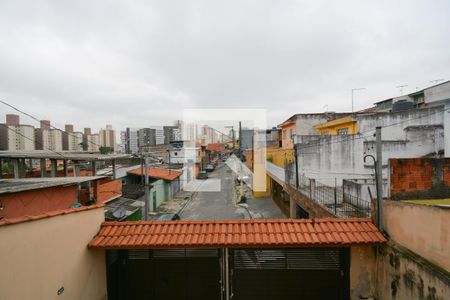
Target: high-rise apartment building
(14, 136)
(108, 137)
(47, 138)
(68, 128)
(171, 134)
(189, 131)
(131, 140)
(208, 135)
(75, 141)
(146, 137)
(92, 142)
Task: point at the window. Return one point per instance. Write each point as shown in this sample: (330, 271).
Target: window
(291, 133)
(284, 134)
(342, 131)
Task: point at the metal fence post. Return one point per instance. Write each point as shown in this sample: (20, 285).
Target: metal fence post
(335, 196)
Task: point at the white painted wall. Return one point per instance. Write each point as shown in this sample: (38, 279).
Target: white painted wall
(405, 134)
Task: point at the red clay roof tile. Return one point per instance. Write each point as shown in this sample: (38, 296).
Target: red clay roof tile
(237, 233)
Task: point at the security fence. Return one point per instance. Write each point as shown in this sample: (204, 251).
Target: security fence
(332, 198)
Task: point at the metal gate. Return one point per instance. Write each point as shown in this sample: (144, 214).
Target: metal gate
(297, 273)
(165, 274)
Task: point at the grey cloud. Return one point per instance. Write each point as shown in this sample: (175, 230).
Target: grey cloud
(134, 63)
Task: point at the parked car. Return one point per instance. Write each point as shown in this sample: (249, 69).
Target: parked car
(168, 217)
(209, 168)
(202, 175)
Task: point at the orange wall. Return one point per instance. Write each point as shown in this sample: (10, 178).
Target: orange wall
(423, 229)
(39, 257)
(37, 201)
(287, 142)
(108, 189)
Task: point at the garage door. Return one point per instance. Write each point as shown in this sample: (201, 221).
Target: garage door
(167, 274)
(302, 273)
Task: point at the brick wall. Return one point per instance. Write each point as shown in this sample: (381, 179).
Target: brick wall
(38, 201)
(419, 178)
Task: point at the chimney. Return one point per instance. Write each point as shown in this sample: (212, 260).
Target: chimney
(45, 124)
(12, 119)
(87, 131)
(69, 128)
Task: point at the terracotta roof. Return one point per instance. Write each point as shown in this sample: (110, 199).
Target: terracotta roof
(237, 233)
(49, 214)
(216, 147)
(158, 173)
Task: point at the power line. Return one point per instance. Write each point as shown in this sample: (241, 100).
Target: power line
(36, 119)
(42, 144)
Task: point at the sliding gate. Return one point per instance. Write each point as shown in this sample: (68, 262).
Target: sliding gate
(234, 274)
(297, 273)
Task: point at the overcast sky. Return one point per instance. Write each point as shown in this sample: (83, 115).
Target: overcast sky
(139, 63)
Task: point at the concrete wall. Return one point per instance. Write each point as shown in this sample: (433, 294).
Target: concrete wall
(159, 189)
(39, 257)
(246, 139)
(423, 229)
(362, 272)
(403, 275)
(408, 134)
(437, 93)
(279, 156)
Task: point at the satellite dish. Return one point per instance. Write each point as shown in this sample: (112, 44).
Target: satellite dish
(119, 212)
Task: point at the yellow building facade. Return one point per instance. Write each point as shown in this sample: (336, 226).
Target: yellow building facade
(342, 126)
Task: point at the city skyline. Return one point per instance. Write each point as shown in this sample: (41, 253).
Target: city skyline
(144, 69)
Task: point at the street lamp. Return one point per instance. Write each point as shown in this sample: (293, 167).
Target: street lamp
(353, 90)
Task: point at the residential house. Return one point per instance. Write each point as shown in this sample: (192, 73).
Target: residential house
(428, 97)
(47, 222)
(165, 183)
(35, 196)
(303, 124)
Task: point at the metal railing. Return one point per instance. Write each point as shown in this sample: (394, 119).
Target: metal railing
(332, 198)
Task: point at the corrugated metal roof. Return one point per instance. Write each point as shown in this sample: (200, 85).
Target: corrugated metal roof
(26, 184)
(237, 234)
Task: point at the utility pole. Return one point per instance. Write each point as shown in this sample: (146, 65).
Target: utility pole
(146, 187)
(379, 179)
(241, 187)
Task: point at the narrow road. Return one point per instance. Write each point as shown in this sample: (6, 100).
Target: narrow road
(215, 205)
